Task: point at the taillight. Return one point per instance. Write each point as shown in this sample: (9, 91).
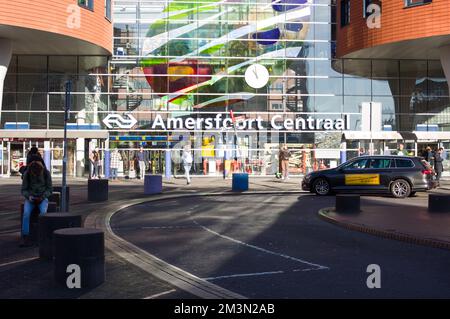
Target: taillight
(427, 172)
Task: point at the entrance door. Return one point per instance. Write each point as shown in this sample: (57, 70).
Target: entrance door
(4, 159)
(17, 157)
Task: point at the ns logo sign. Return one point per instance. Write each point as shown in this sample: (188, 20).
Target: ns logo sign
(115, 120)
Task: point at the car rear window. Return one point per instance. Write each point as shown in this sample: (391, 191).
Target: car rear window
(404, 163)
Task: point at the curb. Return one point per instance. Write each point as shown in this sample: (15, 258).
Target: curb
(323, 214)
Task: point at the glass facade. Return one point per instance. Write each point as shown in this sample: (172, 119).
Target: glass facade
(35, 86)
(189, 58)
(186, 59)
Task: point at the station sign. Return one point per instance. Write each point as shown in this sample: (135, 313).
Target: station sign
(220, 122)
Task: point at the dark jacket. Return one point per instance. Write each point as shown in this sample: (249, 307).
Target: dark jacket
(38, 186)
(438, 167)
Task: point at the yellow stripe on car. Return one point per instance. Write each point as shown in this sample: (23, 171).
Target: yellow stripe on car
(362, 179)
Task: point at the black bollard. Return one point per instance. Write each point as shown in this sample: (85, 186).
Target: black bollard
(439, 203)
(97, 190)
(348, 203)
(58, 189)
(50, 222)
(52, 207)
(55, 197)
(83, 248)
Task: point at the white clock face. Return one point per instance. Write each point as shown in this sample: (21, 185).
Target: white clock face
(257, 76)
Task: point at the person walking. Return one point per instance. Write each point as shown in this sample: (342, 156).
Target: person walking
(94, 159)
(429, 156)
(284, 157)
(187, 162)
(438, 166)
(115, 163)
(36, 188)
(142, 158)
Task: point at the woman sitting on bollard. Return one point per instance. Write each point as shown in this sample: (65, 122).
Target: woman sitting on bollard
(36, 188)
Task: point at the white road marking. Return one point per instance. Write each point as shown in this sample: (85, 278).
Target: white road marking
(265, 273)
(160, 294)
(18, 261)
(246, 275)
(260, 248)
(167, 227)
(307, 269)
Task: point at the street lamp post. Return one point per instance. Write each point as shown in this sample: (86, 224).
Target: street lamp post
(64, 170)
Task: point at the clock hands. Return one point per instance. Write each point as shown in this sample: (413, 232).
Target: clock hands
(254, 71)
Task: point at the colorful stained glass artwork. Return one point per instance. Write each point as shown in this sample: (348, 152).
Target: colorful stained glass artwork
(201, 49)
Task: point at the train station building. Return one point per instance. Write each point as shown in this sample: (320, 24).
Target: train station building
(327, 78)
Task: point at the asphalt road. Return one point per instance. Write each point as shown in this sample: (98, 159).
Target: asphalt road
(275, 246)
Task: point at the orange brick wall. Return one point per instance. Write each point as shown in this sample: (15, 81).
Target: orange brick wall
(52, 15)
(397, 24)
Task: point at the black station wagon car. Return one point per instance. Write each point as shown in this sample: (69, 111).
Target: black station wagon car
(401, 176)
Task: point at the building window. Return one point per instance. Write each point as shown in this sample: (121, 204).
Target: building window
(412, 3)
(89, 4)
(345, 12)
(108, 9)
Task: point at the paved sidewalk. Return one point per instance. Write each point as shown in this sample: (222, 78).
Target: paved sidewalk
(406, 220)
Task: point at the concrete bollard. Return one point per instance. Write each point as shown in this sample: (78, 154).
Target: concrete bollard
(83, 248)
(97, 190)
(58, 189)
(439, 203)
(55, 197)
(52, 207)
(50, 222)
(240, 182)
(152, 184)
(348, 203)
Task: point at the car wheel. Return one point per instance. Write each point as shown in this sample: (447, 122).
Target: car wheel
(321, 187)
(400, 188)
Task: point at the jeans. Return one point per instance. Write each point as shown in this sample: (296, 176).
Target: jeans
(187, 169)
(142, 169)
(94, 169)
(113, 173)
(27, 210)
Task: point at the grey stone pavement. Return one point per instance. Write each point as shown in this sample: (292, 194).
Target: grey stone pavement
(24, 275)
